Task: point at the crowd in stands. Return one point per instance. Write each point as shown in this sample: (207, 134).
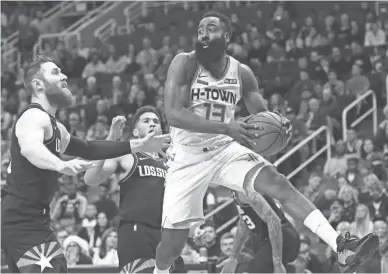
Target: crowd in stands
(309, 69)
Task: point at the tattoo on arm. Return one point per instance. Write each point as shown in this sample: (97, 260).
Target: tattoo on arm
(242, 236)
(264, 210)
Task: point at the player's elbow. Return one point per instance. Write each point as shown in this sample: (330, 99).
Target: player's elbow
(28, 151)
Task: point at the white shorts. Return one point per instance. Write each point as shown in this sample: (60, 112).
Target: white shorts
(191, 170)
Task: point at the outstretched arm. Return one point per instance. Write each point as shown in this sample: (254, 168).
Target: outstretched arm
(242, 236)
(268, 215)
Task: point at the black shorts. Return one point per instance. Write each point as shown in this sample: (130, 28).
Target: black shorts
(136, 248)
(262, 261)
(29, 244)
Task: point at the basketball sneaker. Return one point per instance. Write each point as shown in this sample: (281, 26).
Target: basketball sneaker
(351, 252)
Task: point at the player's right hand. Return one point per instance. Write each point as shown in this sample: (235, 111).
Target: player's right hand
(116, 129)
(279, 268)
(229, 265)
(75, 166)
(243, 133)
(151, 143)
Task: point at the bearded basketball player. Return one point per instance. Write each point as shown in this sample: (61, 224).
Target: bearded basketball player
(209, 145)
(276, 237)
(37, 142)
(141, 195)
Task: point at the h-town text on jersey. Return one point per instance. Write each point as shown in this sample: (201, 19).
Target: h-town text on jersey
(213, 94)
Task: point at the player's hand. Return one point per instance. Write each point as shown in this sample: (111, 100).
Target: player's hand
(279, 268)
(229, 265)
(151, 143)
(116, 129)
(75, 166)
(200, 237)
(242, 133)
(287, 124)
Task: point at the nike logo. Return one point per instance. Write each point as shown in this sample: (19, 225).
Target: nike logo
(145, 158)
(201, 76)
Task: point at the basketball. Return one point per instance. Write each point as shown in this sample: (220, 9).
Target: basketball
(272, 133)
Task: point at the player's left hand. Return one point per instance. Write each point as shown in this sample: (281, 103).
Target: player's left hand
(151, 143)
(200, 237)
(229, 265)
(287, 124)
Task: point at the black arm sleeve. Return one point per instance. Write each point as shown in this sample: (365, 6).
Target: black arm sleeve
(97, 150)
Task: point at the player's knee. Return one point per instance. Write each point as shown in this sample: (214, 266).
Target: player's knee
(272, 183)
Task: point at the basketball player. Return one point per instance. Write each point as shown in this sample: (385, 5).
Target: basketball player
(278, 239)
(141, 195)
(37, 142)
(208, 145)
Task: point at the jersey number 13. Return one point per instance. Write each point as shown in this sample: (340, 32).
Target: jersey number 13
(215, 112)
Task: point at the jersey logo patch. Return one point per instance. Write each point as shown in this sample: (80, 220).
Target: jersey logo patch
(40, 255)
(230, 81)
(139, 266)
(202, 82)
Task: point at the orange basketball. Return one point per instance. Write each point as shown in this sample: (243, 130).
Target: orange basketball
(272, 133)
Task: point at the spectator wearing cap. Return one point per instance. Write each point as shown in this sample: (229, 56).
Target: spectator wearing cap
(312, 262)
(338, 164)
(94, 67)
(76, 251)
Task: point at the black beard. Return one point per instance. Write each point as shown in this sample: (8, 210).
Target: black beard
(213, 53)
(59, 98)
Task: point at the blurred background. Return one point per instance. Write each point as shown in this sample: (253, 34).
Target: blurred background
(322, 64)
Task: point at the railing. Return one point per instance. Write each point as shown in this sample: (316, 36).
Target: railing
(65, 36)
(312, 137)
(106, 30)
(355, 103)
(85, 19)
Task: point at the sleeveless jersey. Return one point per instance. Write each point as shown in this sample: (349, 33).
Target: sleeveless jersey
(142, 190)
(211, 99)
(253, 220)
(24, 180)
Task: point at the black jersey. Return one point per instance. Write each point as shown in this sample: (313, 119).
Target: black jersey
(253, 220)
(24, 180)
(142, 190)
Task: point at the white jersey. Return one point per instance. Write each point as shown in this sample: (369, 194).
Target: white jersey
(214, 100)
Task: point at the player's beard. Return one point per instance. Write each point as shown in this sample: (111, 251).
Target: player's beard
(59, 97)
(213, 53)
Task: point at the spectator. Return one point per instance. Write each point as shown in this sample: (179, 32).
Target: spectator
(93, 67)
(335, 216)
(75, 126)
(310, 260)
(356, 34)
(115, 64)
(105, 204)
(348, 196)
(375, 36)
(61, 236)
(337, 164)
(378, 207)
(99, 130)
(72, 205)
(353, 174)
(362, 224)
(211, 242)
(353, 144)
(147, 57)
(76, 251)
(88, 231)
(106, 253)
(276, 53)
